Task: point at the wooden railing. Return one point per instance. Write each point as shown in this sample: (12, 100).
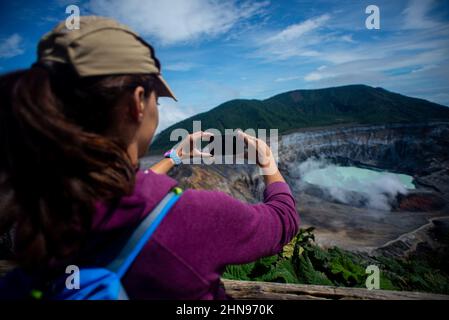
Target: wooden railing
(280, 291)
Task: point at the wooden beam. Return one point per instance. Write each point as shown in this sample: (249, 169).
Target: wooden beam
(280, 291)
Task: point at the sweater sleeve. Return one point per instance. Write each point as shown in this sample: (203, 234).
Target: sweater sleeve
(236, 232)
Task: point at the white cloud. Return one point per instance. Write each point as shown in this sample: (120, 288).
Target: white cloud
(315, 76)
(175, 21)
(322, 67)
(295, 31)
(347, 38)
(416, 15)
(180, 66)
(418, 52)
(283, 79)
(11, 46)
(171, 113)
(296, 40)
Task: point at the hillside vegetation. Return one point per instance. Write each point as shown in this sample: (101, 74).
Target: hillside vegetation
(310, 108)
(304, 262)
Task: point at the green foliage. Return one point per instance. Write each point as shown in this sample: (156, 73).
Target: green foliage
(345, 269)
(417, 273)
(302, 261)
(238, 272)
(308, 274)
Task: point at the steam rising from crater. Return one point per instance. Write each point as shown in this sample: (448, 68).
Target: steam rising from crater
(372, 189)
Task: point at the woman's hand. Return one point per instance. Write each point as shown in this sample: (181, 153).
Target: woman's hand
(190, 147)
(185, 150)
(264, 157)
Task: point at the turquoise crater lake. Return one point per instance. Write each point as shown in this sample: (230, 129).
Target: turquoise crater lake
(356, 179)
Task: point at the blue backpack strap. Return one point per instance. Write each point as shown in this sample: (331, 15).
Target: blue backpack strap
(142, 234)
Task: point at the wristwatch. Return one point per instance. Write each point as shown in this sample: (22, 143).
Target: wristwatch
(172, 154)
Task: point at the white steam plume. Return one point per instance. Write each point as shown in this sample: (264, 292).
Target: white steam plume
(378, 191)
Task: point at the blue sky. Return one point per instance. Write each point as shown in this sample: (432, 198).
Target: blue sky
(213, 51)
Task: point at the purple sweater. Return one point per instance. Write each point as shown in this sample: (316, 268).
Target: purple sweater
(203, 232)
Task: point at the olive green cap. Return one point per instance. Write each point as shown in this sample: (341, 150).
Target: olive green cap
(101, 46)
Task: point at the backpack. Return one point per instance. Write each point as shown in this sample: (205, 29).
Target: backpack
(95, 283)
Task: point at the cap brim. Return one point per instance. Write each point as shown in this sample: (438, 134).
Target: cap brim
(164, 90)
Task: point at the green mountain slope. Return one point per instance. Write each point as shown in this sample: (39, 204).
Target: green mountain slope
(309, 108)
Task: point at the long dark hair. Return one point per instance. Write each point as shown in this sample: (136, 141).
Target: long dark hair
(56, 160)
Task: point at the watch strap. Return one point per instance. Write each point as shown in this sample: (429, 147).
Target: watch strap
(172, 154)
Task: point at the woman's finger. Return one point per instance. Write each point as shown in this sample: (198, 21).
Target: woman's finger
(205, 154)
(251, 142)
(198, 135)
(207, 134)
(193, 140)
(246, 137)
(201, 133)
